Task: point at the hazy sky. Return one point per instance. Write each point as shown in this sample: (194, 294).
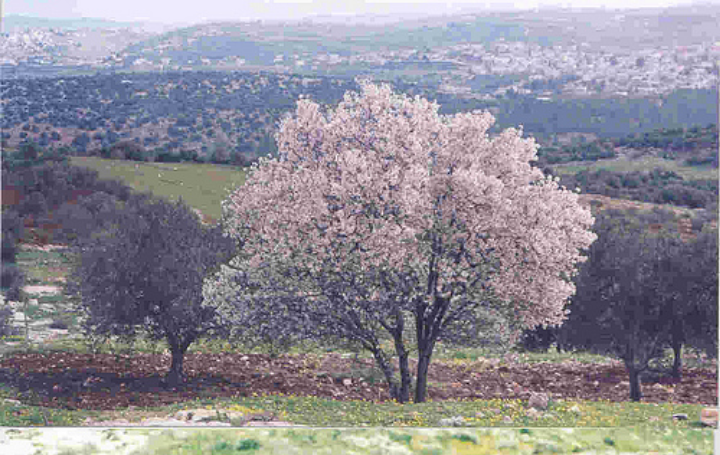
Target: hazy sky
(193, 11)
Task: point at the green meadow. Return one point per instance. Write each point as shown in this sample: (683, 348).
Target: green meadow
(644, 163)
(202, 186)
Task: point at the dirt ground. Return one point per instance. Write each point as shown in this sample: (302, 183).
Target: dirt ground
(106, 381)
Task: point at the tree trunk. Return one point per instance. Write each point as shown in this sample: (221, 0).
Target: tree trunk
(387, 370)
(677, 363)
(402, 353)
(405, 377)
(635, 393)
(175, 376)
(422, 370)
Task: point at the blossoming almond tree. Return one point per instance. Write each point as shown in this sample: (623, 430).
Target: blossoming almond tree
(381, 211)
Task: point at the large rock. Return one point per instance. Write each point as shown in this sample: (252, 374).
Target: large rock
(207, 415)
(538, 401)
(709, 417)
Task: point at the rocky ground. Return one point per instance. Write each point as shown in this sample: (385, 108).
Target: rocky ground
(106, 381)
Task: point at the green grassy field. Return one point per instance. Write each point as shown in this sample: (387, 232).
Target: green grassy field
(645, 163)
(202, 186)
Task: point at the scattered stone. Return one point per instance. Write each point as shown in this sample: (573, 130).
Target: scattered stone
(680, 416)
(575, 409)
(207, 415)
(456, 421)
(709, 417)
(538, 401)
(197, 415)
(264, 416)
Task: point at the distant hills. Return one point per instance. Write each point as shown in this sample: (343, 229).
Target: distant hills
(351, 45)
(15, 22)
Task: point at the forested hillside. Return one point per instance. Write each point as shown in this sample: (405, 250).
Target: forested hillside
(230, 117)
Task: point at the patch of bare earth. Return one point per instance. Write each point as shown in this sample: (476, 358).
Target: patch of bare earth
(114, 383)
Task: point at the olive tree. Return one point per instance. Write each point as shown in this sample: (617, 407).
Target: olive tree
(382, 211)
(641, 291)
(144, 274)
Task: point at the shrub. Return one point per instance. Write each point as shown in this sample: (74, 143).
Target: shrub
(12, 280)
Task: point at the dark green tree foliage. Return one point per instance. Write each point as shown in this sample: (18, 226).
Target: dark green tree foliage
(616, 308)
(47, 193)
(592, 151)
(658, 186)
(145, 274)
(12, 278)
(638, 292)
(681, 140)
(693, 297)
(30, 154)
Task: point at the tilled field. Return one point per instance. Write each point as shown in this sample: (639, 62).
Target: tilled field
(105, 381)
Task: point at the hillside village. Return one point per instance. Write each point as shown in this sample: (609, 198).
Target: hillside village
(547, 56)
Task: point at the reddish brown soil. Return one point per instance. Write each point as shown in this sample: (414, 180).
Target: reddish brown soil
(105, 382)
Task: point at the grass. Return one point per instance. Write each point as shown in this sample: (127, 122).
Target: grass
(43, 267)
(646, 163)
(202, 186)
(321, 412)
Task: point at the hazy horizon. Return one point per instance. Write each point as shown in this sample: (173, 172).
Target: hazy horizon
(168, 12)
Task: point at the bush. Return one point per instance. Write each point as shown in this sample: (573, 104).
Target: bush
(538, 339)
(57, 324)
(12, 280)
(6, 314)
(12, 231)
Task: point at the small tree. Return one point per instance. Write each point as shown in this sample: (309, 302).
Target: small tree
(146, 272)
(383, 211)
(635, 294)
(12, 277)
(692, 296)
